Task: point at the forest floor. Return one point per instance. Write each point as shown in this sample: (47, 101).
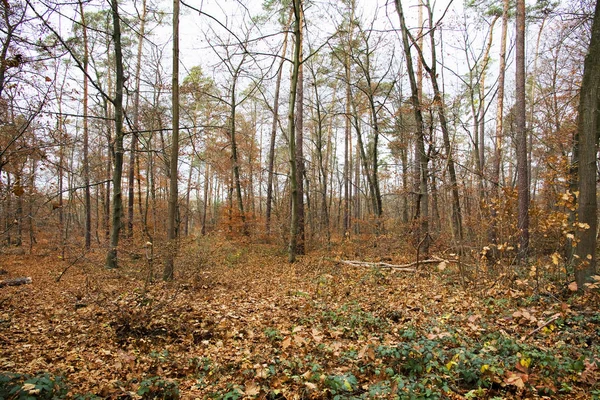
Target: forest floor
(239, 322)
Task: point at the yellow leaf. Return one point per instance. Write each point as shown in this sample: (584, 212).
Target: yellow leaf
(347, 386)
(484, 368)
(525, 362)
(450, 364)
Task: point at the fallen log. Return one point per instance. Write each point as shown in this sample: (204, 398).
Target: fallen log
(24, 280)
(400, 267)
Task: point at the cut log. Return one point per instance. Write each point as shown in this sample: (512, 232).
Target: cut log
(24, 280)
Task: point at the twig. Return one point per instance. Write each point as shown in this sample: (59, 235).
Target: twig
(551, 320)
(58, 278)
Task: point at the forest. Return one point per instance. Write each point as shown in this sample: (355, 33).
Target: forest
(299, 199)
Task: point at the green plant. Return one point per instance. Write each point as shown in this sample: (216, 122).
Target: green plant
(273, 334)
(28, 387)
(158, 388)
(341, 383)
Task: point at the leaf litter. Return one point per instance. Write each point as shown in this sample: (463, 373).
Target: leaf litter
(258, 327)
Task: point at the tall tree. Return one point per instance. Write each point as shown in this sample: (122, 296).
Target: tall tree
(499, 124)
(86, 162)
(438, 100)
(117, 203)
(588, 132)
(422, 203)
(292, 248)
(172, 212)
(299, 126)
(275, 122)
(136, 122)
(521, 133)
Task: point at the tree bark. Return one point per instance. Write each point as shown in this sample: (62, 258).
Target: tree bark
(499, 127)
(136, 125)
(422, 211)
(117, 206)
(297, 4)
(174, 156)
(299, 116)
(86, 163)
(521, 134)
(588, 130)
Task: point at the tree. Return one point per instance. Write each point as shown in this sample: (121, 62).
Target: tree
(586, 143)
(422, 203)
(275, 122)
(174, 156)
(292, 248)
(438, 101)
(521, 133)
(136, 122)
(86, 140)
(499, 124)
(117, 200)
(299, 126)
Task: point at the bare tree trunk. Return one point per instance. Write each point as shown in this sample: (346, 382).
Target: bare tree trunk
(297, 5)
(422, 211)
(205, 198)
(482, 109)
(117, 207)
(31, 225)
(521, 133)
(86, 163)
(438, 100)
(186, 225)
(174, 156)
(234, 153)
(136, 124)
(499, 126)
(271, 159)
(300, 243)
(588, 130)
(348, 128)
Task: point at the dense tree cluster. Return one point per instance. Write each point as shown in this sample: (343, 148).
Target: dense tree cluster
(303, 123)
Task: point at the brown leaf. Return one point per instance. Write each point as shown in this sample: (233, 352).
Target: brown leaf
(251, 389)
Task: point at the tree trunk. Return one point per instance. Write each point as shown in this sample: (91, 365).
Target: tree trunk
(297, 4)
(438, 100)
(299, 116)
(86, 163)
(136, 125)
(521, 134)
(117, 206)
(422, 211)
(174, 156)
(499, 127)
(271, 159)
(588, 130)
